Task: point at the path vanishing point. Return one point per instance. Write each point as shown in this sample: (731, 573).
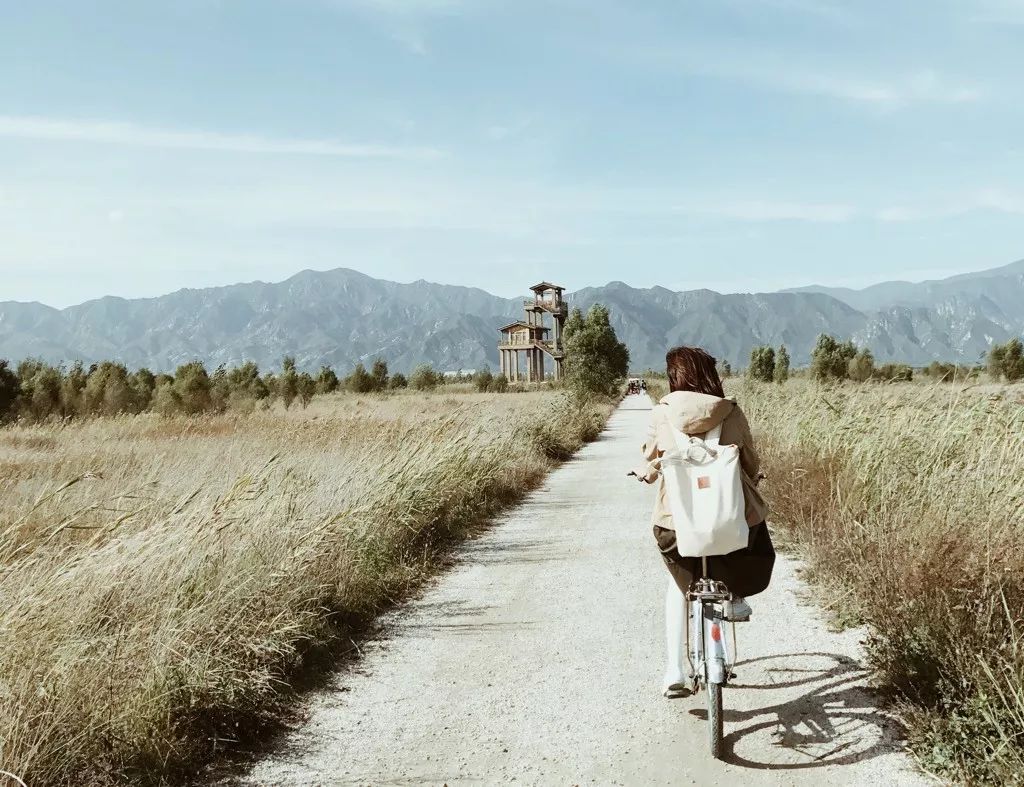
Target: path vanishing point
(537, 659)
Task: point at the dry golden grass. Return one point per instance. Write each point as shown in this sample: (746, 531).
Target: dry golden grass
(162, 579)
(909, 502)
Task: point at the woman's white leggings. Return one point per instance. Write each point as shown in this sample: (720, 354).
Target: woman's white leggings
(675, 641)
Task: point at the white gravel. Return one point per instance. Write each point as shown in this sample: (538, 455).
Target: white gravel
(537, 659)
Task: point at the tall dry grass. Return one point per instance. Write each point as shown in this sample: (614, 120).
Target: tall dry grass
(909, 502)
(161, 580)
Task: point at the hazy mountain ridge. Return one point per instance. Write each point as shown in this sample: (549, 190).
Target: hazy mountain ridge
(340, 317)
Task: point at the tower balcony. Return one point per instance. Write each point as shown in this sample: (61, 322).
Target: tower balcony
(554, 349)
(550, 306)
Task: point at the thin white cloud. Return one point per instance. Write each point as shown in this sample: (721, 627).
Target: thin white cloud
(995, 200)
(924, 86)
(767, 210)
(134, 135)
(769, 70)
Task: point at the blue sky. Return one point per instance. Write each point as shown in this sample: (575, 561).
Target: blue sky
(741, 145)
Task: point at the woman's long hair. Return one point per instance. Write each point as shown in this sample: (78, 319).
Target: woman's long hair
(693, 369)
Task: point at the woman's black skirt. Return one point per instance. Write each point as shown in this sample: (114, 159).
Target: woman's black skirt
(746, 572)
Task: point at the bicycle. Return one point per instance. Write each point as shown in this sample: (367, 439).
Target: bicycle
(707, 650)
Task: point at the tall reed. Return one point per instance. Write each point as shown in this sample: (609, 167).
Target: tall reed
(909, 502)
(162, 580)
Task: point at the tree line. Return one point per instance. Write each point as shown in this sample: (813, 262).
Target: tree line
(766, 364)
(35, 390)
(830, 360)
(835, 360)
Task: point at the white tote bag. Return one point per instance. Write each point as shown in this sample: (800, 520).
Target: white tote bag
(705, 493)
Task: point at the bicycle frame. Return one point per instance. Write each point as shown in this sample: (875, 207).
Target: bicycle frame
(711, 662)
(710, 652)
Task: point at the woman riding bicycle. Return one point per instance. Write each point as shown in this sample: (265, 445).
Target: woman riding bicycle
(695, 405)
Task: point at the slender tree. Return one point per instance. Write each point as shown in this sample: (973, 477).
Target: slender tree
(360, 380)
(379, 375)
(781, 371)
(288, 382)
(762, 364)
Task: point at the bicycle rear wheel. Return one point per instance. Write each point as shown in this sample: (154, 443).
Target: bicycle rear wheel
(715, 725)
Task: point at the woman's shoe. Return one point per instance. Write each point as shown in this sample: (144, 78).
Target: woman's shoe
(737, 610)
(675, 685)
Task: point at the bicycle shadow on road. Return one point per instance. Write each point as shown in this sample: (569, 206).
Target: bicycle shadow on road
(836, 722)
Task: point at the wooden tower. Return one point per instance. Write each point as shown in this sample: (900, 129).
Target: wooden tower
(531, 339)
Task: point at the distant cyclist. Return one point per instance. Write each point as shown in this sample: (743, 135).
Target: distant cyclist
(695, 405)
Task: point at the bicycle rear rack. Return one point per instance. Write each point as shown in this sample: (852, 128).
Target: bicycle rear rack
(705, 589)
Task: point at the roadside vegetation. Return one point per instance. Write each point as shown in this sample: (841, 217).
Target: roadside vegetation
(164, 577)
(908, 501)
(36, 391)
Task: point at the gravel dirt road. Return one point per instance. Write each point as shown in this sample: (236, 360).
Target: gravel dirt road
(538, 658)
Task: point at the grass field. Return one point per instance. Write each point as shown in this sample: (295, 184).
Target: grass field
(909, 502)
(163, 579)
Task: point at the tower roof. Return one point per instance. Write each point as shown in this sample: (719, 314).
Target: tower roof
(521, 324)
(546, 285)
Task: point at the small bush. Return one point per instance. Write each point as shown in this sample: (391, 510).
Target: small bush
(424, 378)
(861, 367)
(894, 373)
(483, 379)
(1006, 361)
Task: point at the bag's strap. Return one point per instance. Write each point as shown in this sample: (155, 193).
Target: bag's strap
(685, 445)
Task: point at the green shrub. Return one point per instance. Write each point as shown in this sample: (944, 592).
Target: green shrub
(10, 388)
(862, 366)
(194, 388)
(288, 383)
(781, 371)
(1007, 361)
(894, 373)
(482, 379)
(424, 378)
(762, 364)
(830, 360)
(379, 375)
(326, 381)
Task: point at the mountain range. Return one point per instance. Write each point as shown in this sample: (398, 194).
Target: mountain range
(340, 317)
